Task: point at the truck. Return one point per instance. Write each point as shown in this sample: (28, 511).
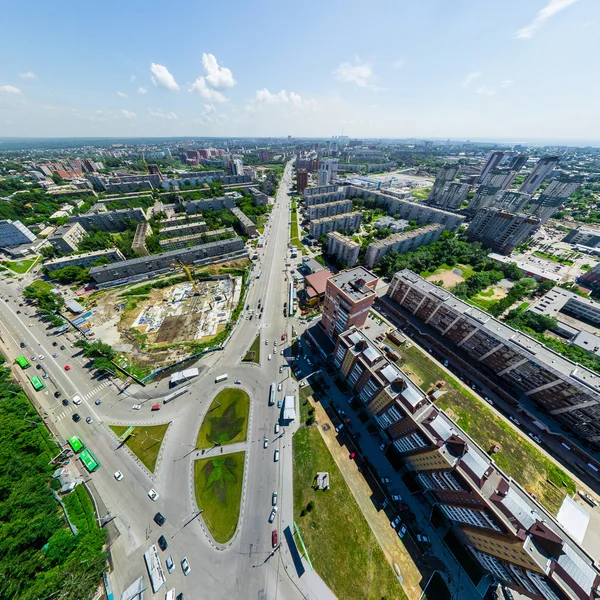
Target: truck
(221, 378)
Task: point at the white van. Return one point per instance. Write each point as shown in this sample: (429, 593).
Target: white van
(170, 595)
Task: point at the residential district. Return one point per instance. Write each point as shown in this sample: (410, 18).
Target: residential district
(300, 368)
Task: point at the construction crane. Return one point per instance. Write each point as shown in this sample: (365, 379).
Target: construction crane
(188, 272)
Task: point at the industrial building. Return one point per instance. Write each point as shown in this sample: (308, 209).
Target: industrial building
(344, 249)
(402, 242)
(113, 220)
(66, 238)
(84, 260)
(346, 222)
(565, 390)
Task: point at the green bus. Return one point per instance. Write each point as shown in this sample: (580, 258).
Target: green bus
(23, 362)
(37, 383)
(89, 461)
(76, 444)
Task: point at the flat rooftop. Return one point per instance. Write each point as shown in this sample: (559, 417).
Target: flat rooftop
(353, 283)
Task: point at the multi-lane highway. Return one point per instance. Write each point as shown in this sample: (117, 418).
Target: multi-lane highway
(245, 567)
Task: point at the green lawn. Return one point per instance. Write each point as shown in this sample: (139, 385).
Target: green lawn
(339, 541)
(554, 258)
(303, 395)
(145, 442)
(80, 510)
(253, 354)
(467, 270)
(21, 266)
(294, 235)
(421, 193)
(518, 457)
(226, 421)
(218, 485)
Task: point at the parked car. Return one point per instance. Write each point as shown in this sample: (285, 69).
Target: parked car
(385, 480)
(395, 522)
(170, 564)
(591, 501)
(265, 443)
(185, 566)
(402, 531)
(534, 437)
(273, 514)
(274, 499)
(136, 406)
(118, 475)
(276, 427)
(153, 495)
(274, 538)
(279, 404)
(514, 420)
(162, 543)
(159, 519)
(276, 456)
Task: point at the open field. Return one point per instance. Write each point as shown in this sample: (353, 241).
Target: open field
(450, 276)
(218, 489)
(144, 442)
(226, 421)
(488, 297)
(338, 539)
(518, 457)
(21, 266)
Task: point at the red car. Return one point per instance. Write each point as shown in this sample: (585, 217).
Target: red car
(283, 336)
(352, 455)
(155, 407)
(274, 538)
(67, 368)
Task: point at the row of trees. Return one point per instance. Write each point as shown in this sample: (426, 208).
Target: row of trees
(102, 354)
(39, 556)
(48, 303)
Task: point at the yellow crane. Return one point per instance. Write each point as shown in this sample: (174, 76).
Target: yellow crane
(188, 272)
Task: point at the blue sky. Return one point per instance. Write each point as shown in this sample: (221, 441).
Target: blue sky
(519, 69)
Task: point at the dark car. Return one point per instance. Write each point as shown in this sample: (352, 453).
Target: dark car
(179, 596)
(38, 366)
(159, 519)
(65, 402)
(57, 394)
(162, 543)
(62, 347)
(76, 418)
(55, 343)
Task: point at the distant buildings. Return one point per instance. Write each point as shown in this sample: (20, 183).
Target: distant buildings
(500, 230)
(124, 182)
(345, 222)
(114, 220)
(565, 390)
(66, 239)
(402, 242)
(301, 180)
(138, 245)
(349, 296)
(84, 260)
(344, 249)
(14, 233)
(542, 169)
(328, 171)
(248, 226)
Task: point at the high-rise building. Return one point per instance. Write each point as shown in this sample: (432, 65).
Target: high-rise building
(301, 180)
(14, 233)
(510, 201)
(494, 159)
(66, 238)
(349, 296)
(500, 178)
(343, 248)
(450, 196)
(566, 390)
(550, 200)
(237, 166)
(327, 171)
(512, 536)
(500, 230)
(516, 163)
(542, 169)
(445, 175)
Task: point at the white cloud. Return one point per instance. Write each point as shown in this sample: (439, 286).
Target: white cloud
(398, 64)
(552, 8)
(27, 75)
(162, 78)
(219, 78)
(265, 97)
(142, 90)
(470, 78)
(9, 89)
(129, 115)
(122, 95)
(358, 73)
(209, 108)
(206, 92)
(159, 113)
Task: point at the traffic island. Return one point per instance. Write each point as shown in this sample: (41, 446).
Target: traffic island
(144, 441)
(338, 539)
(226, 421)
(253, 354)
(218, 485)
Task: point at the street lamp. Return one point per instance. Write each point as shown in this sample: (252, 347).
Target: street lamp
(188, 522)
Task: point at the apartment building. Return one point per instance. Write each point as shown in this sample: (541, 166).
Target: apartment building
(193, 206)
(402, 242)
(321, 189)
(557, 192)
(260, 198)
(14, 233)
(451, 196)
(113, 220)
(329, 209)
(138, 245)
(494, 159)
(181, 220)
(124, 182)
(343, 248)
(445, 175)
(562, 388)
(346, 222)
(349, 296)
(542, 169)
(67, 237)
(248, 226)
(301, 180)
(500, 230)
(194, 239)
(183, 228)
(161, 263)
(84, 260)
(325, 197)
(559, 301)
(500, 178)
(328, 171)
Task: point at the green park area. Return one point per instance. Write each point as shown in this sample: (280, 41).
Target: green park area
(421, 193)
(518, 457)
(226, 421)
(218, 485)
(145, 442)
(340, 543)
(253, 354)
(21, 266)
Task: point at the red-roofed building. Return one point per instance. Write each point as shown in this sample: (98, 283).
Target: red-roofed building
(314, 286)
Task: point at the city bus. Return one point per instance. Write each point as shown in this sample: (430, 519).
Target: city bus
(23, 362)
(272, 394)
(221, 378)
(76, 444)
(37, 383)
(89, 461)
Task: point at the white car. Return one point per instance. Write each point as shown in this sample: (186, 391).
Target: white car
(402, 531)
(273, 514)
(41, 356)
(77, 400)
(395, 522)
(266, 443)
(153, 495)
(170, 564)
(282, 352)
(274, 499)
(276, 457)
(276, 427)
(185, 566)
(279, 388)
(269, 357)
(136, 406)
(118, 475)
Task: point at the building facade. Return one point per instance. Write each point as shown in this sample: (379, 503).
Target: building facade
(586, 236)
(84, 260)
(552, 198)
(328, 171)
(113, 220)
(248, 226)
(67, 237)
(195, 239)
(329, 209)
(349, 296)
(542, 169)
(183, 229)
(301, 180)
(193, 206)
(14, 233)
(343, 248)
(445, 175)
(451, 196)
(346, 222)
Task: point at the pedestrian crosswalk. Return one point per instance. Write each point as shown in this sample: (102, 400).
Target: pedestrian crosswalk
(97, 389)
(67, 411)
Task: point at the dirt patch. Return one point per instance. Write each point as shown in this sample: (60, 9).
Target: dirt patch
(175, 328)
(494, 293)
(448, 278)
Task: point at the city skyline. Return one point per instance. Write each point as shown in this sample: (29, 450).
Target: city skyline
(466, 71)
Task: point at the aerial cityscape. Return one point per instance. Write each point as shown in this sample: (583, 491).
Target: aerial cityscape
(280, 328)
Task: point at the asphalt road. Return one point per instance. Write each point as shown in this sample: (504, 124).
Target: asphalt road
(245, 567)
